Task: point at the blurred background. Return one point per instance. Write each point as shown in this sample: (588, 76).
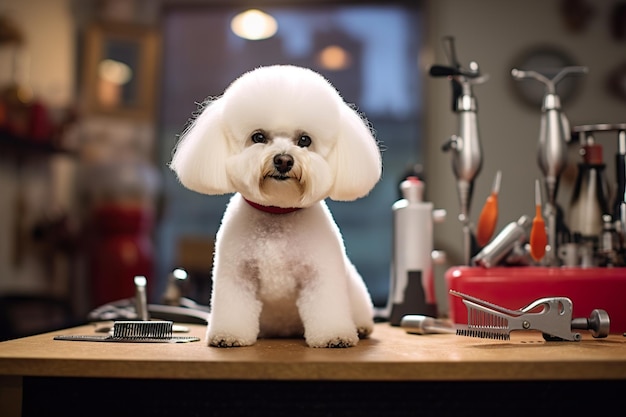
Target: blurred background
(95, 92)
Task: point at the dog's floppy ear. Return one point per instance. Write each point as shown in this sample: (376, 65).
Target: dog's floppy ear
(199, 159)
(356, 158)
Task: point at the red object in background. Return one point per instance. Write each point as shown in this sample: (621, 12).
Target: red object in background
(40, 125)
(120, 249)
(516, 287)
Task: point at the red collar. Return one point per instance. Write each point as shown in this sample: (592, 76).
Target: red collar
(272, 209)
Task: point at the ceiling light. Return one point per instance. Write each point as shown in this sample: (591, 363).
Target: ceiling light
(254, 24)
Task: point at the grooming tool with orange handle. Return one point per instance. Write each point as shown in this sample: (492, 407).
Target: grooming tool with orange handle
(489, 215)
(538, 237)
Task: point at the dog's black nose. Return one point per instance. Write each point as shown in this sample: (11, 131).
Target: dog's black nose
(283, 162)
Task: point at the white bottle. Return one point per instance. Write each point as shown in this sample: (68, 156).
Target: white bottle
(412, 283)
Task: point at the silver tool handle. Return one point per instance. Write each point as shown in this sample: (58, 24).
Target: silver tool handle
(550, 83)
(420, 324)
(141, 298)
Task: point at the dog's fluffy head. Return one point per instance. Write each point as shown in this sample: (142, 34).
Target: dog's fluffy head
(281, 136)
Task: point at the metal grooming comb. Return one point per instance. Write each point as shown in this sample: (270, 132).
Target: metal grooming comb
(134, 331)
(552, 316)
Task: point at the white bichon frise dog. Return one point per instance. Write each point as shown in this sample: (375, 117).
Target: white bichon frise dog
(283, 140)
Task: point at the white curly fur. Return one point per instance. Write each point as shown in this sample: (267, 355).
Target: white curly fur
(282, 137)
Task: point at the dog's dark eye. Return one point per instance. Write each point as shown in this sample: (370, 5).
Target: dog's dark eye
(258, 137)
(304, 141)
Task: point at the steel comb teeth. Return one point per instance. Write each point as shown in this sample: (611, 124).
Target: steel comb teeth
(490, 334)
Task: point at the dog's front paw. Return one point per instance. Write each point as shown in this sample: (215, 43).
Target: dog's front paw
(340, 343)
(364, 331)
(333, 342)
(224, 341)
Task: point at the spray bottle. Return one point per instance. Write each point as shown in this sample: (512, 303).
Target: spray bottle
(412, 282)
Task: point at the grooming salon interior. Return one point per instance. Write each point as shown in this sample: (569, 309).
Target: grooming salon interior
(501, 205)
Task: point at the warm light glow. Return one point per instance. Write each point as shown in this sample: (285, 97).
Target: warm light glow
(115, 72)
(140, 281)
(179, 273)
(254, 24)
(112, 75)
(334, 58)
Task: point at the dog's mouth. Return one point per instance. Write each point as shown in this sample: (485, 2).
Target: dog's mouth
(279, 177)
